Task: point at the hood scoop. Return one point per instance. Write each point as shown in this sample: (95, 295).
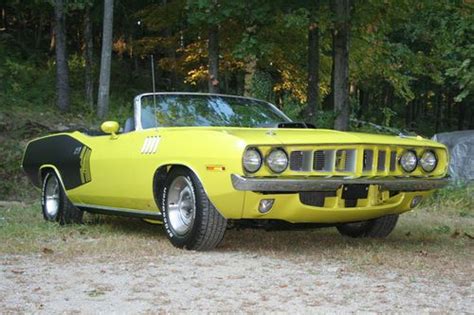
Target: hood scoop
(295, 125)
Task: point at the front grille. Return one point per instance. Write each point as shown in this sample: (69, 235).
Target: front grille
(381, 161)
(344, 161)
(296, 161)
(323, 160)
(368, 160)
(393, 161)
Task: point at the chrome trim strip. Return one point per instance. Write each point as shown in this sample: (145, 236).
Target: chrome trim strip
(330, 184)
(137, 112)
(112, 209)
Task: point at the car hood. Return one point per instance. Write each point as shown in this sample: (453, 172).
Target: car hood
(323, 136)
(280, 136)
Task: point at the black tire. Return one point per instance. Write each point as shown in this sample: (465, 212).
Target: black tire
(377, 228)
(66, 212)
(206, 228)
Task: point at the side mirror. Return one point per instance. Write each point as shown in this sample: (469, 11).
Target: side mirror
(110, 127)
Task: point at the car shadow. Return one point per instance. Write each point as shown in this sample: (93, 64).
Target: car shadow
(324, 239)
(125, 225)
(274, 241)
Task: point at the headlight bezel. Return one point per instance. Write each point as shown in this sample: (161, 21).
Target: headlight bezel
(416, 161)
(420, 161)
(255, 149)
(267, 162)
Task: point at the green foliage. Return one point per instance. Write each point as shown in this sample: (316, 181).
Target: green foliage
(24, 81)
(325, 119)
(292, 107)
(412, 61)
(457, 196)
(262, 87)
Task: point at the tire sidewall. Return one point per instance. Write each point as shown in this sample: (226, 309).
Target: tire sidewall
(46, 215)
(189, 238)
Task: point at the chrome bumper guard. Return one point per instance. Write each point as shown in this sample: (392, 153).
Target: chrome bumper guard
(331, 184)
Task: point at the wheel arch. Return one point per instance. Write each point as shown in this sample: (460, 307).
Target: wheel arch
(160, 176)
(50, 168)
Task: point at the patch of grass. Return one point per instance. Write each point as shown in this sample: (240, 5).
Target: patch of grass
(457, 199)
(24, 231)
(434, 238)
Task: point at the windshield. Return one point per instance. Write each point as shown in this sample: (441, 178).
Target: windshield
(207, 110)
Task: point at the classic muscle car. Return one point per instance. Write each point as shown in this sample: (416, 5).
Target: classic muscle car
(196, 161)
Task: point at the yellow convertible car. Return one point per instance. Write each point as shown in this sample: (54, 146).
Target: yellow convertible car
(196, 162)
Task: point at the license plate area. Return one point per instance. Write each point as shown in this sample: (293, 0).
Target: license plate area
(352, 192)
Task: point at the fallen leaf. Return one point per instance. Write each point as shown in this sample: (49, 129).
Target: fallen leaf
(95, 293)
(47, 250)
(19, 272)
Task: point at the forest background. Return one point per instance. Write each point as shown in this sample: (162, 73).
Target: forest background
(373, 65)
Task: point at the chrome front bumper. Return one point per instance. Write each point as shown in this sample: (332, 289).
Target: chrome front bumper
(331, 184)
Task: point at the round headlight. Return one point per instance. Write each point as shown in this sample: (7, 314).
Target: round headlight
(408, 161)
(252, 160)
(428, 161)
(277, 160)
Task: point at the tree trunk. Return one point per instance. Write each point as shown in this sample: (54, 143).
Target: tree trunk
(4, 20)
(449, 104)
(313, 70)
(39, 32)
(105, 60)
(88, 56)
(363, 103)
(341, 64)
(250, 69)
(461, 115)
(213, 53)
(407, 114)
(328, 103)
(471, 119)
(240, 83)
(62, 68)
(439, 103)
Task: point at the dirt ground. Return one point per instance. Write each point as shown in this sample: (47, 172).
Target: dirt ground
(126, 266)
(220, 282)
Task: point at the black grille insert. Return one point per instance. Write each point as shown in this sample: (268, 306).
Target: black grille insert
(315, 198)
(296, 160)
(393, 161)
(319, 160)
(381, 161)
(368, 160)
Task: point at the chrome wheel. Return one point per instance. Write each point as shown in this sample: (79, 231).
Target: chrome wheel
(51, 196)
(181, 205)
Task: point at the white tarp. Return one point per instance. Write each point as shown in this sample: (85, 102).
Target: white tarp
(461, 150)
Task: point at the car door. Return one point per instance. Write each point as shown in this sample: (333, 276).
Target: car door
(122, 169)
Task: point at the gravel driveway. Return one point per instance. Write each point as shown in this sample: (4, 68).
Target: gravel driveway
(218, 281)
